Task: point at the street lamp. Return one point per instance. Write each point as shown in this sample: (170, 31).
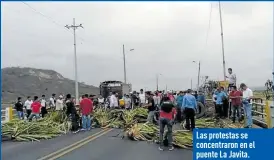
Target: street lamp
(199, 69)
(124, 57)
(157, 81)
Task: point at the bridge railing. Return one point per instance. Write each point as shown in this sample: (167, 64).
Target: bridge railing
(262, 112)
(7, 114)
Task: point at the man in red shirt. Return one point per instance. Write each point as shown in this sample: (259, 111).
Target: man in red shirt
(167, 116)
(35, 108)
(86, 108)
(235, 97)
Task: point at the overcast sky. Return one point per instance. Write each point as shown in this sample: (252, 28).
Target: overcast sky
(166, 36)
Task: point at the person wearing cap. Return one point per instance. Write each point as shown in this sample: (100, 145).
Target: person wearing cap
(150, 105)
(247, 104)
(59, 103)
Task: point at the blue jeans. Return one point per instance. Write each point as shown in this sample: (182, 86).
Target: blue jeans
(86, 122)
(165, 122)
(248, 114)
(20, 114)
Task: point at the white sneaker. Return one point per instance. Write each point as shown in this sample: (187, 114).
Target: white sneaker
(160, 148)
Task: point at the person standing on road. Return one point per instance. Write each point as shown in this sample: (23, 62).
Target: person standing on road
(86, 108)
(167, 117)
(113, 101)
(179, 102)
(43, 106)
(150, 105)
(71, 112)
(52, 101)
(157, 99)
(35, 108)
(27, 105)
(235, 97)
(127, 100)
(142, 97)
(189, 107)
(19, 108)
(220, 96)
(135, 100)
(59, 103)
(247, 104)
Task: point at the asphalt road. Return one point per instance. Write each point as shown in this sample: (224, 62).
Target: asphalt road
(97, 144)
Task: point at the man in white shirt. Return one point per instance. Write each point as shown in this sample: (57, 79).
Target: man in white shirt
(142, 97)
(157, 99)
(113, 101)
(59, 104)
(52, 101)
(247, 104)
(27, 105)
(231, 78)
(43, 106)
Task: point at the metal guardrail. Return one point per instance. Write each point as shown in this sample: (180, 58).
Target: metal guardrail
(262, 113)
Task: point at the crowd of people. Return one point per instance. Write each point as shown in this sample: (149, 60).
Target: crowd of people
(165, 108)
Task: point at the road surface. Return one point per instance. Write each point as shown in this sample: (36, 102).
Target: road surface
(97, 144)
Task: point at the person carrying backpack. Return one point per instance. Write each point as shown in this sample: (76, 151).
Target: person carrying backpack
(167, 116)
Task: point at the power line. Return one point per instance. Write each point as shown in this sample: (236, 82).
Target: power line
(209, 25)
(48, 18)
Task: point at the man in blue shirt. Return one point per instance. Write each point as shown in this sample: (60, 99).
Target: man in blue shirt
(179, 101)
(189, 107)
(220, 97)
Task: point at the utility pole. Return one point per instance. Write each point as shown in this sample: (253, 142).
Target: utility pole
(222, 38)
(198, 84)
(124, 57)
(157, 82)
(125, 72)
(74, 27)
(191, 83)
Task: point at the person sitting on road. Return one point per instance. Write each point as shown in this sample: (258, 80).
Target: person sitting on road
(167, 116)
(189, 107)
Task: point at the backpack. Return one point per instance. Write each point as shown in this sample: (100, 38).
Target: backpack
(167, 107)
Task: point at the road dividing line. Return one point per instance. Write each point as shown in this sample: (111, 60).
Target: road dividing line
(78, 146)
(72, 145)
